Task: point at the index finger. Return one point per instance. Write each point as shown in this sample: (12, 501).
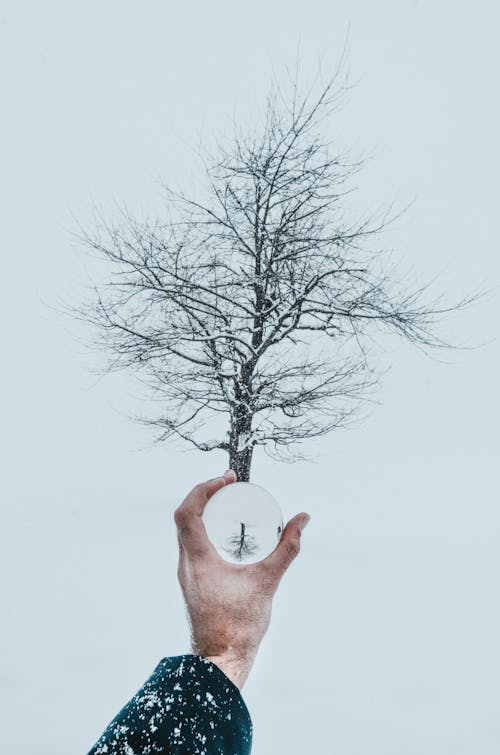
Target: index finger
(187, 517)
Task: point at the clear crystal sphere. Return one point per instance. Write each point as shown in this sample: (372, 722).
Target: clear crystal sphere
(244, 522)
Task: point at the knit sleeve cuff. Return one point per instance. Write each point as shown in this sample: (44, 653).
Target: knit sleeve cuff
(188, 706)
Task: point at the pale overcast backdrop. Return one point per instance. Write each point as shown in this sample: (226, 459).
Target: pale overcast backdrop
(385, 631)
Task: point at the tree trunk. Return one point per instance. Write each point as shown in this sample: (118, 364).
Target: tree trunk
(241, 462)
(240, 444)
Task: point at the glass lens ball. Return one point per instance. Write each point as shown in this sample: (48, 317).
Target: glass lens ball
(244, 522)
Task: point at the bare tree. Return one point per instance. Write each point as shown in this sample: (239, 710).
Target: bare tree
(252, 314)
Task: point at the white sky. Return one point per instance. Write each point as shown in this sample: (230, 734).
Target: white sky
(385, 634)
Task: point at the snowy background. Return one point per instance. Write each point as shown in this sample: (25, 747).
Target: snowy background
(385, 631)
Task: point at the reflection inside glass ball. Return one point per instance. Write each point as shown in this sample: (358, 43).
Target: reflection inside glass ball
(244, 522)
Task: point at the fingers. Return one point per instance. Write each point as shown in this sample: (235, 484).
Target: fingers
(287, 549)
(187, 517)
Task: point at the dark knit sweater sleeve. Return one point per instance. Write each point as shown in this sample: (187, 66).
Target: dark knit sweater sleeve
(188, 706)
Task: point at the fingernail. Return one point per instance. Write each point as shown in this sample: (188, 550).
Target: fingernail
(305, 522)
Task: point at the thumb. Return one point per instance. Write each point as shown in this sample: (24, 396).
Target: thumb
(288, 547)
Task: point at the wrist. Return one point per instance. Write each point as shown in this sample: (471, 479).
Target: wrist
(236, 667)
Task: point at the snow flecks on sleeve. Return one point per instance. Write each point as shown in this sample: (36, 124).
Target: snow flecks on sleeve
(188, 706)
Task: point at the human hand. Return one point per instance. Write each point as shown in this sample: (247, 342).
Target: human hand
(229, 605)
